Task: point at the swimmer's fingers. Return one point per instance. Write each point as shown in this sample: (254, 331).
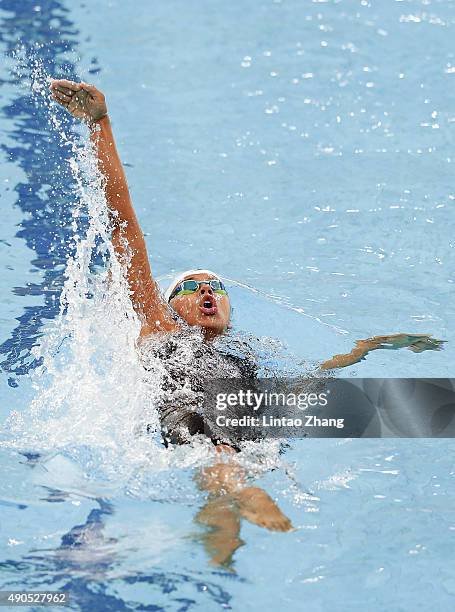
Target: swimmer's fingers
(74, 104)
(62, 89)
(58, 98)
(429, 344)
(61, 96)
(64, 84)
(82, 100)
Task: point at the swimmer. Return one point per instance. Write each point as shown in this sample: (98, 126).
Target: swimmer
(198, 297)
(195, 299)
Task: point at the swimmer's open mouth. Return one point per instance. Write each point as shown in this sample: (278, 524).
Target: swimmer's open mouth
(208, 305)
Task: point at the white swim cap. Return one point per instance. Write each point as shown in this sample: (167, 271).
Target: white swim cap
(180, 277)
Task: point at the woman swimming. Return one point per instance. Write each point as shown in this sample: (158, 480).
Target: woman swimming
(195, 307)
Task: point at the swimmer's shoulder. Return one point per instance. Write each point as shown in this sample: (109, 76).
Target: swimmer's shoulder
(159, 329)
(174, 327)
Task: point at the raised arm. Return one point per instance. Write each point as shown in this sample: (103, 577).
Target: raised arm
(88, 104)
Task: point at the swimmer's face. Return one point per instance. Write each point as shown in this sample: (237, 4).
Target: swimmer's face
(204, 307)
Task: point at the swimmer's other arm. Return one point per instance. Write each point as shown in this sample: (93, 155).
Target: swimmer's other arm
(87, 103)
(417, 343)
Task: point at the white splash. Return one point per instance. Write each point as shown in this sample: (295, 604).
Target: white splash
(91, 394)
(93, 398)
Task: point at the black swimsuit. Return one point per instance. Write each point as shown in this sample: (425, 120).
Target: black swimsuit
(186, 363)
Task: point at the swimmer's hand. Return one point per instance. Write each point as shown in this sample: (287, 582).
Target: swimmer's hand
(414, 342)
(83, 101)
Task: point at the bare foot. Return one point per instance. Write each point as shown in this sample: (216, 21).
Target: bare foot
(259, 508)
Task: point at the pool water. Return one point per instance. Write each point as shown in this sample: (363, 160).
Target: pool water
(301, 149)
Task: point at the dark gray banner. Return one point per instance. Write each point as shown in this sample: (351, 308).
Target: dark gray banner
(241, 409)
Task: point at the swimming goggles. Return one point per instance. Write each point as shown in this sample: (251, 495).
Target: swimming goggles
(191, 286)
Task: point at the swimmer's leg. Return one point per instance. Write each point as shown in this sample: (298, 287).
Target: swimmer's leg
(254, 504)
(222, 539)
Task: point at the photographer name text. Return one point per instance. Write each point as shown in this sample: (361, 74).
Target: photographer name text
(308, 420)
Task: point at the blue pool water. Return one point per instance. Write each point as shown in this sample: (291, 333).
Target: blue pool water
(302, 149)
